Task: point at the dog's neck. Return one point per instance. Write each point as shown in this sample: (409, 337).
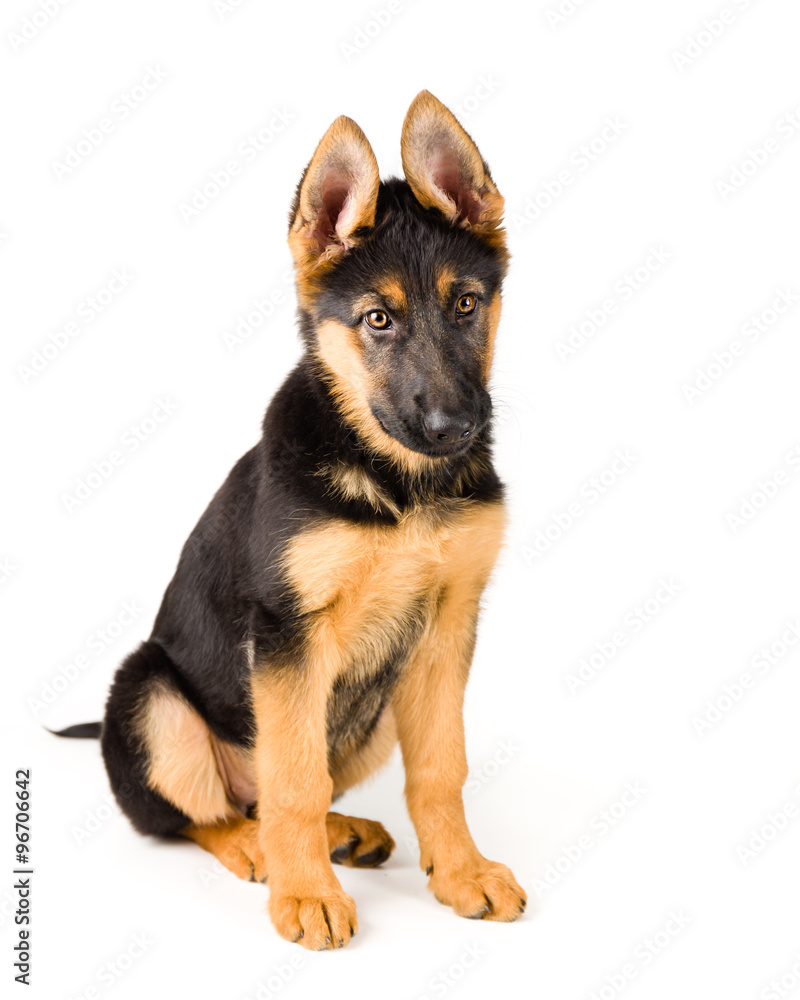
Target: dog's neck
(318, 439)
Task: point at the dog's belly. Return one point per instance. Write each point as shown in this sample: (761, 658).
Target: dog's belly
(357, 701)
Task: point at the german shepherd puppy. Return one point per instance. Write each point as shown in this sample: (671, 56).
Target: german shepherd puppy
(325, 605)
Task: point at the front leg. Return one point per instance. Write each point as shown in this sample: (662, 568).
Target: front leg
(306, 902)
(428, 707)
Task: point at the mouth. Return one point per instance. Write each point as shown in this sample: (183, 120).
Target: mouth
(446, 450)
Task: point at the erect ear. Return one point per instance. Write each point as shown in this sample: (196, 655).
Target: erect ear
(445, 170)
(336, 196)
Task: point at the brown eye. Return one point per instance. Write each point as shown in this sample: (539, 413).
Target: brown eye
(378, 319)
(466, 304)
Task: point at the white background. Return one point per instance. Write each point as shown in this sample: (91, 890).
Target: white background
(532, 90)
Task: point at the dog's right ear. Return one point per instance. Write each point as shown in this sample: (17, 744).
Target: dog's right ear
(335, 198)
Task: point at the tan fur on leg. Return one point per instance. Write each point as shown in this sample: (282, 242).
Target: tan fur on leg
(428, 708)
(306, 903)
(235, 844)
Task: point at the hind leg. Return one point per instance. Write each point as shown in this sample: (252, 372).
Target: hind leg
(158, 750)
(235, 844)
(358, 843)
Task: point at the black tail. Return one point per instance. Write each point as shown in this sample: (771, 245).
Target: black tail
(83, 731)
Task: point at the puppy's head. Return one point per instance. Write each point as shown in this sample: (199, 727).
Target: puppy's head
(399, 283)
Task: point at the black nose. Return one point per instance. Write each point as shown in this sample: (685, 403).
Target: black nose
(446, 428)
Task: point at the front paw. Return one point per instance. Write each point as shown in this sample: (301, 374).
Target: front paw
(481, 891)
(316, 920)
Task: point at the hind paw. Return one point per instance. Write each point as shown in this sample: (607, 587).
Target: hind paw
(357, 843)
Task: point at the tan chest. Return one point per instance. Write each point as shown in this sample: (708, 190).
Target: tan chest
(363, 586)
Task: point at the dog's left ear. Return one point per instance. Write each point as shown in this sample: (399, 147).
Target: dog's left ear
(446, 171)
